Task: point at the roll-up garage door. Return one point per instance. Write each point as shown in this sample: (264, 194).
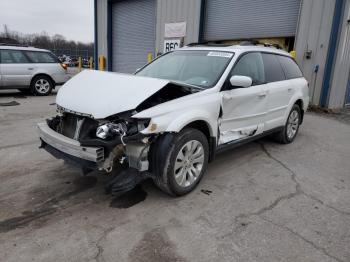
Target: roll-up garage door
(240, 19)
(133, 34)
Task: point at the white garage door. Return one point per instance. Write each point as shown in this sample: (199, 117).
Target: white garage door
(239, 19)
(133, 34)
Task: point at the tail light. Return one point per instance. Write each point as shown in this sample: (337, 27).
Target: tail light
(64, 66)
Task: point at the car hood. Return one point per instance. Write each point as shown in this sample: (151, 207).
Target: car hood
(102, 94)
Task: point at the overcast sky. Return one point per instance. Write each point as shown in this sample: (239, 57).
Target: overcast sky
(73, 19)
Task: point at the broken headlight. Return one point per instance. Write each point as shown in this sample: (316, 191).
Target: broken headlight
(110, 130)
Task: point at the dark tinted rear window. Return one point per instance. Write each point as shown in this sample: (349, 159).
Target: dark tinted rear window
(41, 57)
(273, 69)
(290, 68)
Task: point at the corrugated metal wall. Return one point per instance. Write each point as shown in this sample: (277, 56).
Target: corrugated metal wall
(172, 11)
(341, 68)
(237, 19)
(133, 34)
(313, 34)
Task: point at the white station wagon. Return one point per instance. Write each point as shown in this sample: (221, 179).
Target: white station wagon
(170, 119)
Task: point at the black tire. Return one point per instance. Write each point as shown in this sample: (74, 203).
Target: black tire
(164, 154)
(282, 136)
(41, 85)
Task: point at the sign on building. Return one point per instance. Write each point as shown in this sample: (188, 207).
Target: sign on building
(171, 44)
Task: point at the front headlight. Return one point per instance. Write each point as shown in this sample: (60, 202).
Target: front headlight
(109, 130)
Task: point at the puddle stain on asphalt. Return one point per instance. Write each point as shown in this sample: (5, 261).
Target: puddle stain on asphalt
(129, 198)
(155, 246)
(47, 208)
(12, 103)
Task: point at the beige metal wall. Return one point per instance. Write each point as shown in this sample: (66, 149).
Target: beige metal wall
(341, 68)
(313, 34)
(172, 11)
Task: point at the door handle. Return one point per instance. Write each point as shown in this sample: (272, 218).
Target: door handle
(262, 95)
(31, 68)
(290, 89)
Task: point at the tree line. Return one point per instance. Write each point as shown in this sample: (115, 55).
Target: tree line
(56, 43)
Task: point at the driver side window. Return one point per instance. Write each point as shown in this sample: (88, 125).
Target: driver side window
(250, 64)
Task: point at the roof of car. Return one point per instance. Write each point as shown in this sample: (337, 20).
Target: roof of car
(237, 48)
(28, 48)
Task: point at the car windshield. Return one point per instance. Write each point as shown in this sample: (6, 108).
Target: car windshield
(199, 68)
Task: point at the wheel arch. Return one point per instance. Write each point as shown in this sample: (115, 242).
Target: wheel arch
(42, 74)
(300, 103)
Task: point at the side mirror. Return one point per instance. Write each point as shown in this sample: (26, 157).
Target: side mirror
(241, 81)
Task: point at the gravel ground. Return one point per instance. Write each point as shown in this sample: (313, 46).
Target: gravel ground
(260, 202)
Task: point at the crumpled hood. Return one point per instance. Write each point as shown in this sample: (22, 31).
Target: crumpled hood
(102, 94)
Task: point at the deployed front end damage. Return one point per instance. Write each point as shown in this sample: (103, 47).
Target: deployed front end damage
(93, 144)
(101, 137)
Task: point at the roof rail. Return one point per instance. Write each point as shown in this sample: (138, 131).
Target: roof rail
(19, 45)
(207, 43)
(256, 42)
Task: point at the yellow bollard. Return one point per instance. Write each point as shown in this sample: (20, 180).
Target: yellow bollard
(149, 57)
(102, 63)
(293, 54)
(91, 63)
(80, 64)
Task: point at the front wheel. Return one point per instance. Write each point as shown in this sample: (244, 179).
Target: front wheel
(291, 128)
(185, 162)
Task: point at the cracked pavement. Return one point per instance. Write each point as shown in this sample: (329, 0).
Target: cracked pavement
(260, 202)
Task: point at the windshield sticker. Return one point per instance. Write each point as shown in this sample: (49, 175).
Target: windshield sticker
(220, 54)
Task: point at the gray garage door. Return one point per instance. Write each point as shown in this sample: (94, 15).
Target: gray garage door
(239, 19)
(133, 34)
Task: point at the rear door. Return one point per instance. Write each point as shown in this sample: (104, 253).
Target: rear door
(244, 109)
(278, 89)
(16, 68)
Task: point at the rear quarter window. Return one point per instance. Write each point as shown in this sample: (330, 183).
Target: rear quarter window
(290, 67)
(41, 57)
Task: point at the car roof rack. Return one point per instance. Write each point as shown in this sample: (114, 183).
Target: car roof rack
(207, 43)
(253, 42)
(19, 45)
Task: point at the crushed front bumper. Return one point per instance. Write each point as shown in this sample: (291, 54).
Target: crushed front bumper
(69, 149)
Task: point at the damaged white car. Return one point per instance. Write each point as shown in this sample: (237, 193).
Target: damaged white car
(170, 119)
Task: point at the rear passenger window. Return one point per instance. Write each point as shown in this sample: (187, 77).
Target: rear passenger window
(251, 65)
(273, 69)
(13, 57)
(290, 68)
(41, 57)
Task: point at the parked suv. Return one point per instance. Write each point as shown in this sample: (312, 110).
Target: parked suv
(171, 118)
(31, 70)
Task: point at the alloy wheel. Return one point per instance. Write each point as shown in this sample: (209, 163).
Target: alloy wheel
(189, 163)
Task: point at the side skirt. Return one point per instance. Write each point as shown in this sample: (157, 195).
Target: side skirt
(239, 142)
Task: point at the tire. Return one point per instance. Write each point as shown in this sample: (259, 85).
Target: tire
(291, 128)
(181, 178)
(41, 85)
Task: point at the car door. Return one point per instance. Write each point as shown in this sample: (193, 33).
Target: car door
(16, 68)
(244, 109)
(279, 90)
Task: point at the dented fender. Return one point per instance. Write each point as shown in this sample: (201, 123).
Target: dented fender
(174, 115)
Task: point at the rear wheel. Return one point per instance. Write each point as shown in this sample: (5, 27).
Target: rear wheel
(41, 85)
(291, 128)
(185, 163)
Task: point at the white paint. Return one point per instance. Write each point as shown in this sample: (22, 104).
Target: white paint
(175, 29)
(102, 94)
(242, 81)
(172, 44)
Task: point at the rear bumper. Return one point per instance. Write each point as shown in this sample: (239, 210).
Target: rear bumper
(64, 147)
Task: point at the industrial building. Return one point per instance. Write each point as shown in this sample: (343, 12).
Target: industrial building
(129, 33)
